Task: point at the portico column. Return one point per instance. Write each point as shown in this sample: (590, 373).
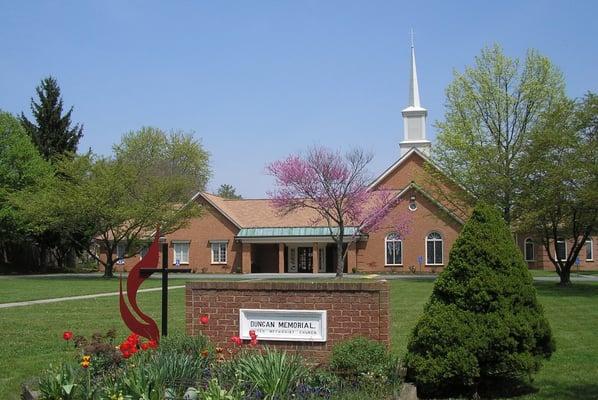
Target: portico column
(315, 258)
(246, 258)
(351, 257)
(281, 258)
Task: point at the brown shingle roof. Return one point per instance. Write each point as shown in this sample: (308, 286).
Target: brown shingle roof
(255, 213)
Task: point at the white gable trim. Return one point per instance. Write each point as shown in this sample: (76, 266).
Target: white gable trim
(415, 186)
(220, 210)
(397, 163)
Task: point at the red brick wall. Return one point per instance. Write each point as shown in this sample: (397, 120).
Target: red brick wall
(354, 309)
(426, 218)
(542, 261)
(211, 225)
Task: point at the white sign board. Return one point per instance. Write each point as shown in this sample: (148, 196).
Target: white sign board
(284, 325)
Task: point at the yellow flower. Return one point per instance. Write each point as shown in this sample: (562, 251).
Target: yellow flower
(86, 361)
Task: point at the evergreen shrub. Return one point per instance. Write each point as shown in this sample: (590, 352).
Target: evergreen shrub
(482, 323)
(359, 355)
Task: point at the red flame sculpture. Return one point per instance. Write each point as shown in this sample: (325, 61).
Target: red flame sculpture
(148, 328)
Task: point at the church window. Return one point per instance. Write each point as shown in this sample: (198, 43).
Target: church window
(394, 249)
(412, 204)
(219, 252)
(589, 250)
(181, 252)
(120, 253)
(561, 249)
(529, 250)
(434, 249)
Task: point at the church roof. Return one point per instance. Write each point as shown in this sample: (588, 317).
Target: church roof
(252, 213)
(390, 170)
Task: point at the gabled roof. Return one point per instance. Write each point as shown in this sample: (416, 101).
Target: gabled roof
(260, 213)
(398, 163)
(428, 196)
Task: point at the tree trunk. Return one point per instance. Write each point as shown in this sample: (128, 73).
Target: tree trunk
(565, 276)
(71, 259)
(108, 269)
(340, 264)
(43, 257)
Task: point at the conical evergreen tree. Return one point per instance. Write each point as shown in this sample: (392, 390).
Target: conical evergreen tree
(483, 323)
(52, 132)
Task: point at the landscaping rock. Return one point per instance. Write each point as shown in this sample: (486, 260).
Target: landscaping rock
(408, 392)
(29, 394)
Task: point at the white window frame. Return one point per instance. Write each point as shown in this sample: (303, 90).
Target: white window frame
(589, 242)
(533, 257)
(121, 250)
(176, 244)
(220, 244)
(556, 251)
(434, 240)
(393, 238)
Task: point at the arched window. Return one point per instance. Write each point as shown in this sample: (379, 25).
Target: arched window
(529, 250)
(394, 249)
(589, 250)
(434, 249)
(561, 249)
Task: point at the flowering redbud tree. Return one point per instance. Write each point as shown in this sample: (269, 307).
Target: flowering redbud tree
(335, 186)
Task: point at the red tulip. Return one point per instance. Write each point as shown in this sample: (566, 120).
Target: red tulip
(253, 342)
(126, 354)
(204, 319)
(68, 335)
(144, 346)
(252, 334)
(236, 340)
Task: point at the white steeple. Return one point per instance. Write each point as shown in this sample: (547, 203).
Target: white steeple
(414, 116)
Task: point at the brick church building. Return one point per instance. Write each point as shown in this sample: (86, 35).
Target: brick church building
(250, 236)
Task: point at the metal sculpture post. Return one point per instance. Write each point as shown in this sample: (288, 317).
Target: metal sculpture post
(137, 321)
(164, 271)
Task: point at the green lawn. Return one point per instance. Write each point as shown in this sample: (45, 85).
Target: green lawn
(31, 336)
(13, 289)
(542, 272)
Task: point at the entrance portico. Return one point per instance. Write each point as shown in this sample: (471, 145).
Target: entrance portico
(292, 250)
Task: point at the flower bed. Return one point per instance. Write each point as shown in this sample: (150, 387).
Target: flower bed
(182, 367)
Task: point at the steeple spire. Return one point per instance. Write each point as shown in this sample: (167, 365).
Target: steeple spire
(414, 116)
(414, 86)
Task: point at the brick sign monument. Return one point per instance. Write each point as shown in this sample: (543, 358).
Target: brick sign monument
(304, 317)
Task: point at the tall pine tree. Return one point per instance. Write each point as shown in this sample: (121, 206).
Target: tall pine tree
(51, 132)
(53, 135)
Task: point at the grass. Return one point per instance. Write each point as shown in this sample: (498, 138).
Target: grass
(31, 336)
(552, 273)
(14, 289)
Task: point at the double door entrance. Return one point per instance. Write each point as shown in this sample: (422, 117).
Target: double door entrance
(301, 259)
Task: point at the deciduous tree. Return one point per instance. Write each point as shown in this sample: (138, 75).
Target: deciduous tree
(561, 171)
(21, 168)
(120, 200)
(336, 188)
(491, 110)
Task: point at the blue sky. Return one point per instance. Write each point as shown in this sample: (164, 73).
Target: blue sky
(257, 80)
